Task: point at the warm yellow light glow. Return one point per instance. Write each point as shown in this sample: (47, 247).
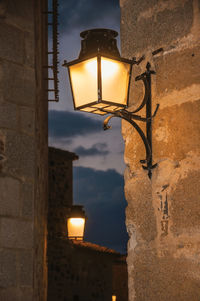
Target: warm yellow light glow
(114, 298)
(92, 87)
(76, 228)
(77, 222)
(91, 66)
(108, 68)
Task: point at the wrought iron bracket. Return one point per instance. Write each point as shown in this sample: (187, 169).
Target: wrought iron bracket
(147, 163)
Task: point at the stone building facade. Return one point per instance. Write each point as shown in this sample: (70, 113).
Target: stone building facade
(23, 150)
(77, 270)
(60, 189)
(162, 217)
(82, 271)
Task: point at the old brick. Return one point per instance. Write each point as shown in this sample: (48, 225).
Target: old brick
(15, 233)
(10, 196)
(8, 272)
(12, 43)
(17, 83)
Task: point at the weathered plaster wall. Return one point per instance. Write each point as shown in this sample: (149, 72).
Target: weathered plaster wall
(23, 151)
(163, 216)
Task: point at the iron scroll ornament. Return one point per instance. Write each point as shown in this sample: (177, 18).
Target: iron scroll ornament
(131, 116)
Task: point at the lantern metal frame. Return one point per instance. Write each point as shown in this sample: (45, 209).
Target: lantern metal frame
(99, 55)
(99, 43)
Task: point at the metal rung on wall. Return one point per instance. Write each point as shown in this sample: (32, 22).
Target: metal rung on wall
(53, 53)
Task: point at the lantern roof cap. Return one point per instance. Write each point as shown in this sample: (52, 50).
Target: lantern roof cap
(99, 31)
(98, 40)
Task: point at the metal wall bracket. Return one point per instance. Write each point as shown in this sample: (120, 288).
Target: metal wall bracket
(147, 163)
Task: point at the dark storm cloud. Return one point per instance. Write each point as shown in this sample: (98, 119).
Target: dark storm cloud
(98, 149)
(87, 13)
(63, 124)
(101, 192)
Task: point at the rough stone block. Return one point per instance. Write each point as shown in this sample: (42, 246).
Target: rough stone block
(15, 233)
(27, 120)
(17, 83)
(152, 25)
(27, 294)
(140, 209)
(8, 115)
(164, 278)
(177, 70)
(176, 131)
(20, 155)
(12, 43)
(27, 200)
(20, 13)
(8, 268)
(9, 294)
(26, 268)
(9, 196)
(29, 57)
(185, 204)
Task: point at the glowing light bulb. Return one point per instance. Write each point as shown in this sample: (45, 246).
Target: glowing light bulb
(91, 66)
(77, 221)
(108, 68)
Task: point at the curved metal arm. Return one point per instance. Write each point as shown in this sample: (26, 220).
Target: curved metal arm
(138, 129)
(146, 86)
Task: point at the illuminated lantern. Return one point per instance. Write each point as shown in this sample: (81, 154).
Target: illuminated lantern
(100, 77)
(76, 222)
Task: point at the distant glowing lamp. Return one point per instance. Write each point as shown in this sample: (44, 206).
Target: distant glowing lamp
(76, 223)
(99, 78)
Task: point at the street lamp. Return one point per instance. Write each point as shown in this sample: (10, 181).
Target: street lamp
(100, 82)
(76, 222)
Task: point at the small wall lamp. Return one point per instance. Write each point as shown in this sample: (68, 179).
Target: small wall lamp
(100, 82)
(76, 222)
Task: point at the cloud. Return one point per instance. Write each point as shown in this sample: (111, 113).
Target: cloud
(98, 149)
(63, 124)
(101, 193)
(87, 13)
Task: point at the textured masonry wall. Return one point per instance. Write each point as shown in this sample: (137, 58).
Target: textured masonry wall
(23, 151)
(60, 190)
(163, 214)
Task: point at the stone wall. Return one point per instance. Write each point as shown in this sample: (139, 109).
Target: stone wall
(23, 150)
(162, 217)
(82, 271)
(60, 189)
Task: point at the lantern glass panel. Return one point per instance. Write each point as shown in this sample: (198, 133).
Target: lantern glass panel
(115, 80)
(75, 228)
(84, 82)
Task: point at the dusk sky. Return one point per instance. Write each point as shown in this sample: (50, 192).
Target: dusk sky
(98, 174)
